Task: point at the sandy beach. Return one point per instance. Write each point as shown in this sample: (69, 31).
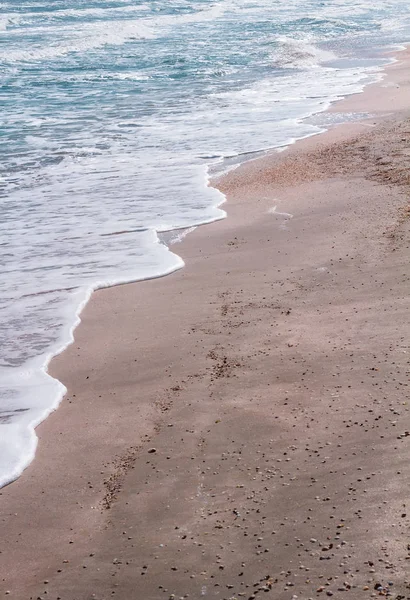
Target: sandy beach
(241, 428)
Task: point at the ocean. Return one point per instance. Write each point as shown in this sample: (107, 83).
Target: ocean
(114, 114)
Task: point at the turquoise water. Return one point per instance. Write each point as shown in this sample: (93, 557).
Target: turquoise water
(112, 114)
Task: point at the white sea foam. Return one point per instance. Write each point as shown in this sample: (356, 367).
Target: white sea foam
(297, 53)
(88, 37)
(178, 236)
(96, 34)
(28, 394)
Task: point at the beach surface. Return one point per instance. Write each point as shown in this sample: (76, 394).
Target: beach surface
(242, 426)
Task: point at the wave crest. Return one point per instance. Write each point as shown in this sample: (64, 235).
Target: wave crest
(296, 54)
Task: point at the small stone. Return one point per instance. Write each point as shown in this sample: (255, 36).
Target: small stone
(152, 450)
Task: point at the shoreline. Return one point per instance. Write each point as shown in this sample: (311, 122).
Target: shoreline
(83, 513)
(88, 293)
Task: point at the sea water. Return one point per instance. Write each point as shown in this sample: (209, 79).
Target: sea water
(112, 113)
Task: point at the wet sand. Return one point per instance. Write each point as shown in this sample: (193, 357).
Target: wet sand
(242, 427)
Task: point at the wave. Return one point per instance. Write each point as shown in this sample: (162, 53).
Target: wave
(299, 53)
(206, 14)
(89, 37)
(97, 34)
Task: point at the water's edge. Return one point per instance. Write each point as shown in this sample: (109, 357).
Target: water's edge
(40, 378)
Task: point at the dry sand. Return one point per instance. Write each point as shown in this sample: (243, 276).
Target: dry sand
(241, 427)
